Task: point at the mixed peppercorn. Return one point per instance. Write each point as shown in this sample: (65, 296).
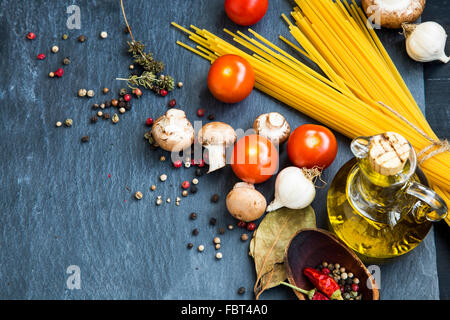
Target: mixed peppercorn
(348, 283)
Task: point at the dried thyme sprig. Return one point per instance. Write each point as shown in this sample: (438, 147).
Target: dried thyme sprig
(151, 78)
(145, 60)
(149, 81)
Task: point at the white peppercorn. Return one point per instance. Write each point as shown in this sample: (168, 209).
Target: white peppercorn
(82, 92)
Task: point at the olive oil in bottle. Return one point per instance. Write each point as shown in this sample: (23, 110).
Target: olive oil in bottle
(376, 204)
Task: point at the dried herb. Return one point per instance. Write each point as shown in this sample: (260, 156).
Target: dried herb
(269, 243)
(152, 77)
(149, 81)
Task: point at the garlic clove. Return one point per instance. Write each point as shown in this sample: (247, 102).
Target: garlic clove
(274, 205)
(293, 190)
(426, 42)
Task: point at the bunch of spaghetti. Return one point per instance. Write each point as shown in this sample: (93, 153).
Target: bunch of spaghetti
(362, 92)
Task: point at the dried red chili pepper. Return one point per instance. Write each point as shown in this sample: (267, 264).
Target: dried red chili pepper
(312, 294)
(324, 283)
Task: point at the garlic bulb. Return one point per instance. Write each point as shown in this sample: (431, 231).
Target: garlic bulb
(425, 42)
(293, 190)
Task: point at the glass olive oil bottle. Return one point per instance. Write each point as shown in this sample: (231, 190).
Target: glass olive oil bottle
(376, 203)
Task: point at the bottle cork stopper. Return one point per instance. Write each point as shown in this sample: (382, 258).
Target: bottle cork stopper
(388, 153)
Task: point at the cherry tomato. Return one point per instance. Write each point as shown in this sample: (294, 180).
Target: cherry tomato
(246, 12)
(231, 78)
(254, 159)
(312, 145)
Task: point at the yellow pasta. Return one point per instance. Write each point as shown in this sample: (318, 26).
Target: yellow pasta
(359, 75)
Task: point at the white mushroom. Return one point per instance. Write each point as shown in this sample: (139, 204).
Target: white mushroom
(273, 126)
(245, 203)
(173, 131)
(215, 137)
(393, 13)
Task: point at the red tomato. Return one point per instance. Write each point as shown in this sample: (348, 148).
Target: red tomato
(254, 159)
(312, 145)
(231, 78)
(246, 12)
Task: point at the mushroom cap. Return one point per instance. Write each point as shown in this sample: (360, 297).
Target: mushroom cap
(273, 126)
(392, 15)
(245, 203)
(216, 133)
(173, 131)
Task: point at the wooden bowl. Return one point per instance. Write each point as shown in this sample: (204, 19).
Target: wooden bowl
(309, 247)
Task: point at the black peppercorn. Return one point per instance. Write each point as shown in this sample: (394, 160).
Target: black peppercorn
(106, 116)
(213, 221)
(85, 139)
(198, 172)
(128, 105)
(108, 104)
(193, 216)
(190, 245)
(121, 99)
(241, 290)
(193, 189)
(195, 232)
(211, 117)
(125, 30)
(221, 230)
(215, 198)
(122, 104)
(94, 119)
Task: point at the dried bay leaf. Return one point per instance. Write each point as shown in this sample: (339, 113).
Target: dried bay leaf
(269, 243)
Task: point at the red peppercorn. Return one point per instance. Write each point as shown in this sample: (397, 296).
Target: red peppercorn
(201, 112)
(242, 224)
(127, 97)
(163, 92)
(185, 184)
(137, 92)
(355, 287)
(326, 271)
(31, 36)
(41, 56)
(201, 163)
(59, 73)
(172, 103)
(149, 121)
(251, 226)
(177, 164)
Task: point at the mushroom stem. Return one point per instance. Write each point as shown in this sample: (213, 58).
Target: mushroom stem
(216, 156)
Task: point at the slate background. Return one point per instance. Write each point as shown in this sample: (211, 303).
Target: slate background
(59, 208)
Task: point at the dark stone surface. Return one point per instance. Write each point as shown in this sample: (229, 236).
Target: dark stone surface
(59, 207)
(437, 83)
